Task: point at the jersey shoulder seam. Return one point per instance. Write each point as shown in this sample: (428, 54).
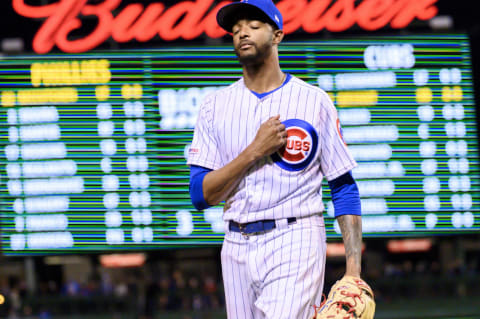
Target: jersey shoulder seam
(325, 98)
(223, 90)
(308, 85)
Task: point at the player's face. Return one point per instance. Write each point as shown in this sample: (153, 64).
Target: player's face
(252, 41)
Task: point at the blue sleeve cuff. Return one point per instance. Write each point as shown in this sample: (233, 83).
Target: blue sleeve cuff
(197, 174)
(345, 195)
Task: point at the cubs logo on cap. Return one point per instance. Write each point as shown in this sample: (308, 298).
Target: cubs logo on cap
(301, 146)
(227, 16)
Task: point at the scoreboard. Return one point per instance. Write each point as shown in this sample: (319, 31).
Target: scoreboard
(94, 145)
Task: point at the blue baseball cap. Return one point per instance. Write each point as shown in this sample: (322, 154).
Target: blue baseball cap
(264, 10)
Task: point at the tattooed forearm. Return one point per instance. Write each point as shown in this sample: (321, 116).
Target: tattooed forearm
(351, 227)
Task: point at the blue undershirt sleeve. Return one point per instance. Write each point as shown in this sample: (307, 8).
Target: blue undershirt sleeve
(345, 196)
(197, 174)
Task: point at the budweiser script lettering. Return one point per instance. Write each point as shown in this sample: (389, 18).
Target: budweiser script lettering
(189, 19)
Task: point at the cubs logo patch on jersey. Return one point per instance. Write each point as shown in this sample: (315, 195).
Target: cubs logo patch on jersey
(340, 132)
(301, 146)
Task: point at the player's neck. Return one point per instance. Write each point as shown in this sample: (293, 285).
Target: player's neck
(263, 77)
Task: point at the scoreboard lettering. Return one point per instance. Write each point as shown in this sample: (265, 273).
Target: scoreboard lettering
(95, 145)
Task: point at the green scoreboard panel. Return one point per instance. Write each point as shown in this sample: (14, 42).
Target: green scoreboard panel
(94, 145)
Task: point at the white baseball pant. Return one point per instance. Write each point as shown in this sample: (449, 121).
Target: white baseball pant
(278, 274)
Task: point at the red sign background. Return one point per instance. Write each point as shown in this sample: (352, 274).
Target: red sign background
(190, 19)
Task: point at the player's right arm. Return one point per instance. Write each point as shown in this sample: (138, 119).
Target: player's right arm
(209, 187)
(218, 184)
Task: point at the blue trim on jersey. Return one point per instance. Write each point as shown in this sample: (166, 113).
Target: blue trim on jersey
(301, 164)
(197, 174)
(345, 196)
(262, 95)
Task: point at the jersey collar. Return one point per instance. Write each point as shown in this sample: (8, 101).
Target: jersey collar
(262, 95)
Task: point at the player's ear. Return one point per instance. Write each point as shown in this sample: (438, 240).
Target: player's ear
(277, 36)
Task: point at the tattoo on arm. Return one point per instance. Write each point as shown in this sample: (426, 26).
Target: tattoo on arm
(351, 227)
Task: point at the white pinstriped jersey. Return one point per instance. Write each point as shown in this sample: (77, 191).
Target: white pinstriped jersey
(228, 122)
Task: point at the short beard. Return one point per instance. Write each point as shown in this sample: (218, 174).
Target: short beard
(256, 58)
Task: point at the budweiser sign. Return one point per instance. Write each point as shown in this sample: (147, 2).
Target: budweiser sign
(190, 19)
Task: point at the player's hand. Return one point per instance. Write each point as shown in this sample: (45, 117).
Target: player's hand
(271, 136)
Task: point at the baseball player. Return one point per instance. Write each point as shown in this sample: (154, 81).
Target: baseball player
(263, 145)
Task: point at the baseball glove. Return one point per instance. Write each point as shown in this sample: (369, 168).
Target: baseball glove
(349, 298)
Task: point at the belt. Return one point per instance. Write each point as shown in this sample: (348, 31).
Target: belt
(256, 227)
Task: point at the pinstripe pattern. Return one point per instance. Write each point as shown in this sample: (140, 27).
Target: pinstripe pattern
(278, 274)
(228, 121)
(275, 275)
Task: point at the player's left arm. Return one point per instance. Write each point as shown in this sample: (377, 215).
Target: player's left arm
(336, 165)
(351, 227)
(346, 201)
